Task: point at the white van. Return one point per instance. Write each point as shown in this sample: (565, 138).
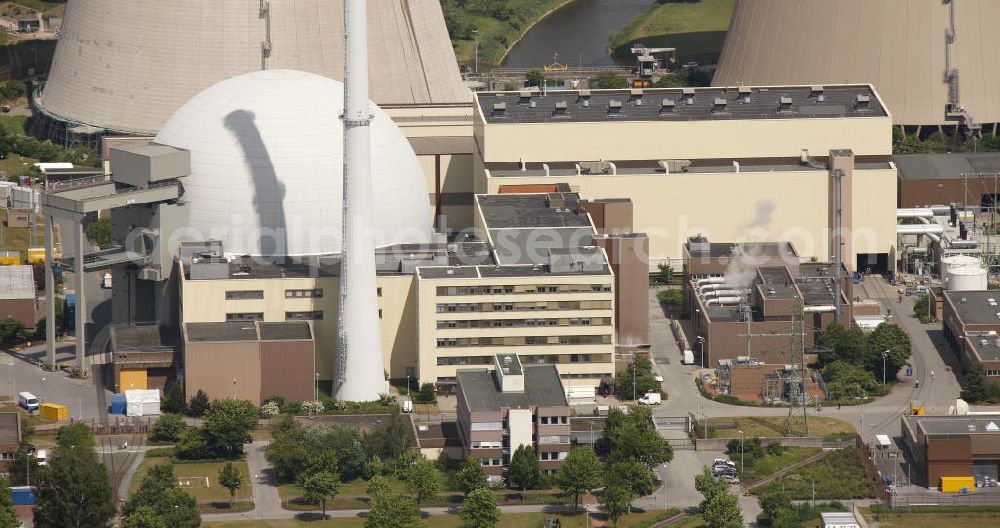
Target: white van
(688, 358)
(650, 398)
(27, 401)
(406, 406)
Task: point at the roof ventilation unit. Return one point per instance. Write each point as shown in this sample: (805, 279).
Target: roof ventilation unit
(499, 109)
(688, 95)
(785, 104)
(614, 107)
(560, 110)
(583, 97)
(745, 93)
(719, 105)
(862, 102)
(666, 106)
(524, 97)
(635, 96)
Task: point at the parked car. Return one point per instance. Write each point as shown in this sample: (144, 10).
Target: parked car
(732, 479)
(650, 398)
(725, 461)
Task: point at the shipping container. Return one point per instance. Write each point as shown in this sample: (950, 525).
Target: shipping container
(10, 258)
(36, 255)
(52, 411)
(118, 404)
(958, 484)
(23, 495)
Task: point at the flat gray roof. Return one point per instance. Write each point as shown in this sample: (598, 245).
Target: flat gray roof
(221, 332)
(529, 210)
(976, 308)
(989, 351)
(542, 387)
(532, 245)
(138, 337)
(672, 104)
(511, 363)
(17, 282)
(955, 425)
(945, 166)
(298, 330)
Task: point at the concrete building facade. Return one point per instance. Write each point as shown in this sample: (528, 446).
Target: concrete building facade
(509, 406)
(762, 155)
(971, 326)
(953, 446)
(17, 295)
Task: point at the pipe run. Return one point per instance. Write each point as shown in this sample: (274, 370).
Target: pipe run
(710, 280)
(820, 309)
(725, 300)
(914, 212)
(919, 229)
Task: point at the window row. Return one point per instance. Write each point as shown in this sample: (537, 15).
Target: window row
(234, 295)
(524, 306)
(515, 323)
(486, 426)
(553, 455)
(533, 359)
(557, 439)
(487, 445)
(487, 462)
(993, 372)
(521, 289)
(316, 315)
(295, 294)
(553, 420)
(448, 342)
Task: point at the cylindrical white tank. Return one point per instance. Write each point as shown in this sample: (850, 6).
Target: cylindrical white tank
(955, 261)
(968, 278)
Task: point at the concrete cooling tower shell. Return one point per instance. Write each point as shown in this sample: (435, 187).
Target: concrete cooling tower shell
(129, 65)
(897, 45)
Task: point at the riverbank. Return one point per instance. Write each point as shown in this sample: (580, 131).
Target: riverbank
(499, 30)
(697, 30)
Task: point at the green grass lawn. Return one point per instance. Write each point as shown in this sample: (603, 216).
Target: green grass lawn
(770, 426)
(192, 478)
(766, 466)
(508, 520)
(38, 5)
(354, 496)
(936, 520)
(837, 476)
(14, 124)
(495, 36)
(696, 29)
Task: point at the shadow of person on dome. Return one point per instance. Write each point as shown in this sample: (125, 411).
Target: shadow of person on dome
(269, 192)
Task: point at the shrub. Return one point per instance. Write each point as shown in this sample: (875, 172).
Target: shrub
(199, 404)
(427, 394)
(167, 428)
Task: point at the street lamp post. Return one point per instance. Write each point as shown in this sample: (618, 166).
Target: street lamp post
(701, 350)
(234, 388)
(475, 35)
(742, 438)
(885, 354)
(633, 380)
(316, 387)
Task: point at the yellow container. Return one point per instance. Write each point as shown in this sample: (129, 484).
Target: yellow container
(36, 255)
(52, 411)
(10, 258)
(133, 379)
(955, 484)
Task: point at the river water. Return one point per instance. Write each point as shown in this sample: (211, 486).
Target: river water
(578, 33)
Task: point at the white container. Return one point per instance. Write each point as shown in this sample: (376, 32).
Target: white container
(967, 279)
(955, 261)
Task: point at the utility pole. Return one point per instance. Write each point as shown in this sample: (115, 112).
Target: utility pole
(885, 354)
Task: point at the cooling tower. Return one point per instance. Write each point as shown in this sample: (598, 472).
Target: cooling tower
(900, 46)
(129, 65)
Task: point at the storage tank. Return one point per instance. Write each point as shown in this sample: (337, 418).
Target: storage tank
(968, 278)
(955, 261)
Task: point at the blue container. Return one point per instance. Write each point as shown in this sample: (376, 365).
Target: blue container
(23, 495)
(118, 404)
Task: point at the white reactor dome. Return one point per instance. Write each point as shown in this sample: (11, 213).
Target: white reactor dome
(267, 167)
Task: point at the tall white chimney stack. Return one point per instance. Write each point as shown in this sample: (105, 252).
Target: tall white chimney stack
(359, 369)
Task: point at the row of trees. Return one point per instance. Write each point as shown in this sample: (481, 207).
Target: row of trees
(719, 508)
(852, 360)
(977, 388)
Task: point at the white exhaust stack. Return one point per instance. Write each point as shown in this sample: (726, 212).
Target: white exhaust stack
(360, 374)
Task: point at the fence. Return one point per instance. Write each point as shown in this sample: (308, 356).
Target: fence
(867, 460)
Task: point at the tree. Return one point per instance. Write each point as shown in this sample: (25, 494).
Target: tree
(633, 474)
(580, 472)
(194, 445)
(389, 509)
(775, 510)
(422, 479)
(158, 491)
(709, 486)
(524, 469)
(173, 399)
(230, 478)
(892, 340)
(922, 309)
(617, 500)
(321, 487)
(471, 476)
(837, 343)
(12, 332)
(847, 381)
(977, 389)
(535, 78)
(99, 232)
(427, 394)
(391, 440)
(641, 370)
(480, 509)
(199, 404)
(167, 428)
(8, 517)
(376, 485)
(75, 435)
(73, 491)
(723, 511)
(634, 436)
(607, 81)
(144, 517)
(229, 423)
